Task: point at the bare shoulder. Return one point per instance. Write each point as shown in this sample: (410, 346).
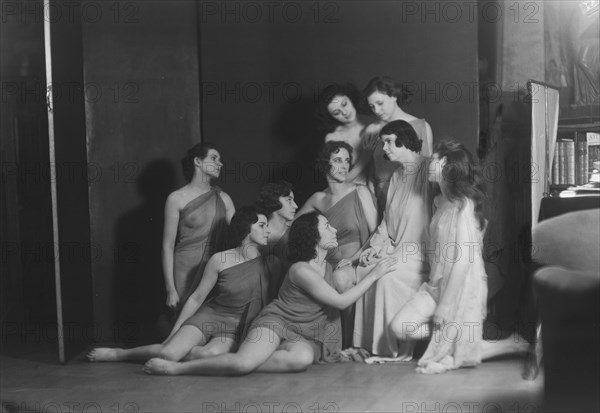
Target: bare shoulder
(316, 199)
(363, 191)
(177, 198)
(301, 271)
(223, 259)
(333, 136)
(226, 198)
(372, 128)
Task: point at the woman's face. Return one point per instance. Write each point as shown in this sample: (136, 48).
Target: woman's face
(259, 231)
(288, 207)
(341, 109)
(327, 234)
(392, 152)
(211, 164)
(339, 165)
(382, 105)
(436, 167)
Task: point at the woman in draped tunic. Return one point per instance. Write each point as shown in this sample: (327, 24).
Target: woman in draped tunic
(293, 331)
(196, 219)
(386, 99)
(350, 209)
(209, 327)
(451, 306)
(400, 234)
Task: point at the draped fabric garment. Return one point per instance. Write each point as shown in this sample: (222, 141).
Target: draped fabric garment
(383, 169)
(279, 263)
(202, 231)
(347, 216)
(403, 234)
(456, 243)
(295, 314)
(240, 293)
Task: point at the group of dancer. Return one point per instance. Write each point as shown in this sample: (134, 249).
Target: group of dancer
(388, 254)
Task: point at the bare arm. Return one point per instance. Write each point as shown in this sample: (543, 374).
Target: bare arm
(229, 207)
(314, 284)
(428, 140)
(196, 299)
(168, 248)
(368, 206)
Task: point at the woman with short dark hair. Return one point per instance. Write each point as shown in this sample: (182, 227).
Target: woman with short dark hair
(338, 115)
(387, 99)
(196, 219)
(350, 208)
(204, 328)
(292, 332)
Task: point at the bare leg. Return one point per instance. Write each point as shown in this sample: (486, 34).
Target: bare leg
(174, 349)
(411, 322)
(291, 356)
(215, 347)
(514, 344)
(259, 345)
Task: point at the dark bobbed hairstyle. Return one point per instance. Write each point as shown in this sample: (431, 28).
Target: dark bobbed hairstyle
(386, 85)
(240, 224)
(268, 198)
(462, 176)
(405, 135)
(197, 151)
(328, 149)
(304, 238)
(324, 119)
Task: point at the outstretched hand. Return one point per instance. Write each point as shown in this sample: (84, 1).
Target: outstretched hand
(384, 266)
(343, 263)
(368, 257)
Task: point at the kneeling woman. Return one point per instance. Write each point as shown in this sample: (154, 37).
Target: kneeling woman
(454, 299)
(291, 332)
(215, 326)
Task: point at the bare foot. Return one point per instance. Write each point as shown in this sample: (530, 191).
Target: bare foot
(436, 367)
(160, 367)
(103, 354)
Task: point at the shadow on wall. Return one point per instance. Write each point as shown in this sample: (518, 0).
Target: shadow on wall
(139, 286)
(296, 128)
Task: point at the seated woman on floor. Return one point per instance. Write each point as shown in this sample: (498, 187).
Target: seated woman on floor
(292, 332)
(454, 299)
(350, 209)
(400, 234)
(207, 328)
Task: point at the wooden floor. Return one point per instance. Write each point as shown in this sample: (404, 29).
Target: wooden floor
(33, 381)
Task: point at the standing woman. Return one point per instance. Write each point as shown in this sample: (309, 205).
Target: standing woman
(337, 114)
(293, 331)
(196, 219)
(350, 208)
(386, 99)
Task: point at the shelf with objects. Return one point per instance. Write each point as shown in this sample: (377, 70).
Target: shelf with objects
(575, 169)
